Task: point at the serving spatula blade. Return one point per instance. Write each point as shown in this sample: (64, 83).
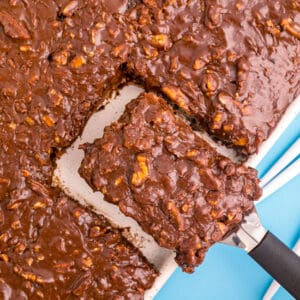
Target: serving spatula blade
(268, 251)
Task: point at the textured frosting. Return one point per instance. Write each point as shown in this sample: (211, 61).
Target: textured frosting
(53, 75)
(176, 186)
(232, 65)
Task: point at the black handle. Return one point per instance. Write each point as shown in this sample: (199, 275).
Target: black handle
(280, 262)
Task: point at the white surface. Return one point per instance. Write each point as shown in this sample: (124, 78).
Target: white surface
(282, 163)
(289, 116)
(280, 180)
(67, 177)
(273, 288)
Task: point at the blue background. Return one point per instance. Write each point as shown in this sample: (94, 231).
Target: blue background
(229, 273)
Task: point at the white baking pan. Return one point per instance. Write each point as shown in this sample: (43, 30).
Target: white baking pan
(66, 176)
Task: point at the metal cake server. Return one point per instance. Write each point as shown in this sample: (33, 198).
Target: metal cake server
(268, 251)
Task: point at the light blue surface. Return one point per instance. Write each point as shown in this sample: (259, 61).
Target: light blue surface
(229, 273)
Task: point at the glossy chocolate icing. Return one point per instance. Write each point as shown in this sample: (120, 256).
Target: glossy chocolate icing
(53, 75)
(175, 185)
(232, 65)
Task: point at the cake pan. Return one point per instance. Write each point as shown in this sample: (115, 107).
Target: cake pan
(66, 176)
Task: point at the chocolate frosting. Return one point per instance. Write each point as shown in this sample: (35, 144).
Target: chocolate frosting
(231, 65)
(176, 186)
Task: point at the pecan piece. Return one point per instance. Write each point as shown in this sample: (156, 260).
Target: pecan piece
(242, 141)
(70, 8)
(209, 83)
(12, 27)
(217, 121)
(39, 188)
(150, 51)
(87, 262)
(4, 184)
(4, 257)
(1, 216)
(139, 177)
(229, 103)
(28, 275)
(291, 27)
(61, 57)
(176, 95)
(213, 15)
(20, 248)
(121, 51)
(198, 64)
(29, 121)
(48, 120)
(176, 216)
(64, 267)
(97, 231)
(271, 28)
(26, 48)
(82, 284)
(78, 61)
(151, 3)
(160, 41)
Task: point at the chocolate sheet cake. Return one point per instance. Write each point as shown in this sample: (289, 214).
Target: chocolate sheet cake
(231, 65)
(53, 248)
(53, 75)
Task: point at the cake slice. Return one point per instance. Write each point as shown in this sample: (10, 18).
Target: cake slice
(53, 248)
(172, 182)
(231, 65)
